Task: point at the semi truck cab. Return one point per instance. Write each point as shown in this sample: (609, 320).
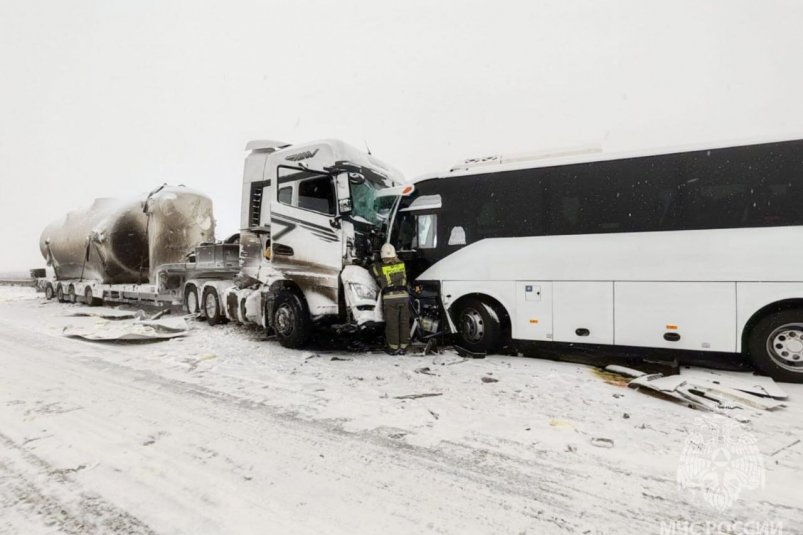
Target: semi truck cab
(312, 218)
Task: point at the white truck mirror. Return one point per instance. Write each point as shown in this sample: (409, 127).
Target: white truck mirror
(344, 192)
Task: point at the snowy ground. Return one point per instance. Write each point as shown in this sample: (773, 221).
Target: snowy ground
(224, 432)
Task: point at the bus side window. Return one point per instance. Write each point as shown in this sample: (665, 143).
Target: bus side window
(427, 231)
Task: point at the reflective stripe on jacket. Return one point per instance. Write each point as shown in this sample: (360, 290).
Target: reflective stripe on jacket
(391, 276)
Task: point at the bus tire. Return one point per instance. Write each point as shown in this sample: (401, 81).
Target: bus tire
(291, 322)
(212, 310)
(478, 327)
(49, 292)
(775, 345)
(191, 300)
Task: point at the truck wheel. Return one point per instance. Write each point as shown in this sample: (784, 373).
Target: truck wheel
(71, 294)
(291, 320)
(60, 293)
(49, 293)
(214, 314)
(89, 299)
(478, 326)
(191, 300)
(775, 345)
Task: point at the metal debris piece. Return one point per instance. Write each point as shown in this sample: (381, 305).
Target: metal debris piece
(416, 396)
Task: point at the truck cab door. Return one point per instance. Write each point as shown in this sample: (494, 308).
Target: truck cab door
(306, 242)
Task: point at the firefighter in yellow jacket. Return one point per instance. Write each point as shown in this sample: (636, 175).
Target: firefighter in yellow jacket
(391, 276)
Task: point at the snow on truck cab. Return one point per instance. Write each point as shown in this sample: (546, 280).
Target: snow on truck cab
(685, 249)
(312, 218)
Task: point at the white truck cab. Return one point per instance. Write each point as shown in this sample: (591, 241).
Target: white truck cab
(312, 217)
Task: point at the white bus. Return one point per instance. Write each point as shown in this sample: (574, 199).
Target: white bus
(693, 250)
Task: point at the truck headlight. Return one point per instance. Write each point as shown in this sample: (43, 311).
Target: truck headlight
(363, 291)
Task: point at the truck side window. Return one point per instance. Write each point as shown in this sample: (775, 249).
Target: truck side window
(317, 194)
(286, 195)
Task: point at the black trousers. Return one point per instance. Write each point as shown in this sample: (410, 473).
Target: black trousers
(396, 308)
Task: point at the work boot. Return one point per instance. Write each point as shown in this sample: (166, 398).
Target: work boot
(392, 352)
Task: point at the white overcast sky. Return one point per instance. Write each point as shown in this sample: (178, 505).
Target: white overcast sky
(111, 98)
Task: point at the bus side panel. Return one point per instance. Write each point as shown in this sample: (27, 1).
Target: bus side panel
(679, 315)
(753, 296)
(533, 318)
(583, 311)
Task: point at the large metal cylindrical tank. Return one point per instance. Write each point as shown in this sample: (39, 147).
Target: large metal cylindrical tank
(123, 240)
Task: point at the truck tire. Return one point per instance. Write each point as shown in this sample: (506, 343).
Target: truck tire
(89, 299)
(775, 345)
(291, 320)
(49, 292)
(191, 300)
(478, 327)
(212, 310)
(71, 298)
(60, 293)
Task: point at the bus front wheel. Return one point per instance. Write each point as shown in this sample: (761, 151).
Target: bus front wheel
(478, 326)
(775, 345)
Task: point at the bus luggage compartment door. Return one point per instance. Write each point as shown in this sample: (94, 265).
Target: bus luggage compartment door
(583, 311)
(680, 315)
(533, 311)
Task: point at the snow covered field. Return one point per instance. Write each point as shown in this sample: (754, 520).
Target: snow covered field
(222, 431)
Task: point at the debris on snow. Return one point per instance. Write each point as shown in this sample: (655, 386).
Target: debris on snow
(110, 314)
(602, 442)
(624, 370)
(463, 352)
(122, 331)
(486, 379)
(707, 390)
(416, 396)
(447, 359)
(344, 359)
(425, 371)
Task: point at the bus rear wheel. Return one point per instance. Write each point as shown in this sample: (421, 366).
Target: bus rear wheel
(478, 327)
(775, 345)
(291, 321)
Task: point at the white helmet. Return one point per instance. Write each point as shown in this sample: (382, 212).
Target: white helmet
(387, 251)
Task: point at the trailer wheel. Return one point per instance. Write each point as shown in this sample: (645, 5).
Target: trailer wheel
(775, 345)
(89, 299)
(478, 327)
(60, 293)
(49, 293)
(291, 321)
(214, 314)
(191, 300)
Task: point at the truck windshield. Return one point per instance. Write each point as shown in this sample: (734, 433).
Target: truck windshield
(366, 207)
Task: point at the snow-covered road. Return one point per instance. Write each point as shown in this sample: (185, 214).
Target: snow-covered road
(224, 432)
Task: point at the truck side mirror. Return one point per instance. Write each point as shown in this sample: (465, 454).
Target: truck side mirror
(343, 181)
